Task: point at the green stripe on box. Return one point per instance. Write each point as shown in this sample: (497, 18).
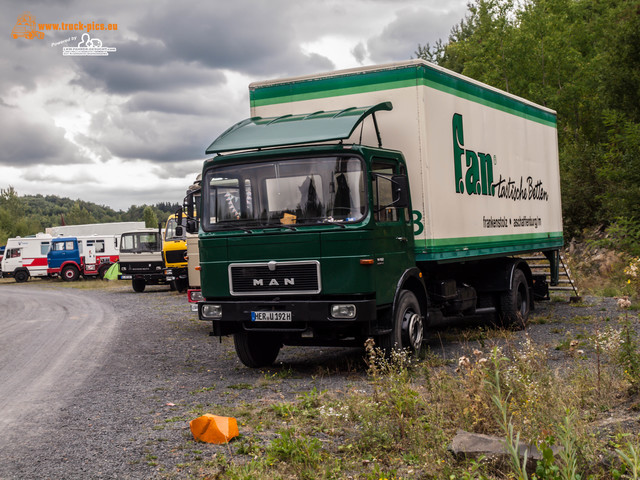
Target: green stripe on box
(402, 77)
(499, 245)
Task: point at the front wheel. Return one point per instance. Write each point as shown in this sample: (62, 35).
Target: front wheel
(257, 350)
(515, 303)
(138, 284)
(408, 325)
(21, 276)
(70, 273)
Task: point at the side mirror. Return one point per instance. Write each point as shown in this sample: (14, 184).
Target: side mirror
(192, 226)
(400, 191)
(179, 231)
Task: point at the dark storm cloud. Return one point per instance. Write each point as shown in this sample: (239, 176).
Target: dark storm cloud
(29, 141)
(400, 38)
(247, 36)
(151, 135)
(120, 76)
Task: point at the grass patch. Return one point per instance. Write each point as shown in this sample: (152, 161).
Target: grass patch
(400, 425)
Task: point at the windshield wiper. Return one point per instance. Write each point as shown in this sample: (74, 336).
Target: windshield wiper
(230, 226)
(333, 222)
(288, 227)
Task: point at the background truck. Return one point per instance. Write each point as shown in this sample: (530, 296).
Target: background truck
(190, 213)
(26, 257)
(371, 202)
(141, 258)
(174, 252)
(111, 228)
(89, 256)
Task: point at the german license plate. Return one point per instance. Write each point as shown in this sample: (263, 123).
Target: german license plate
(270, 316)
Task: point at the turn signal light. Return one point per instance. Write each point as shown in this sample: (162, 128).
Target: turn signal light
(366, 261)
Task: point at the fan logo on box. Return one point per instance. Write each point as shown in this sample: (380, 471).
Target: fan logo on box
(474, 173)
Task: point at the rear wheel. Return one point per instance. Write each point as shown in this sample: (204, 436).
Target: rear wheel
(408, 325)
(138, 284)
(257, 350)
(21, 276)
(515, 303)
(70, 273)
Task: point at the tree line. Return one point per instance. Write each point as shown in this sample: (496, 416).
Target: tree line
(582, 59)
(30, 214)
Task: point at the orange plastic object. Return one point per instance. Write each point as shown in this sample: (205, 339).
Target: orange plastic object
(214, 429)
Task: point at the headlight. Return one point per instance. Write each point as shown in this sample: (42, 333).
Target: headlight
(210, 311)
(195, 296)
(343, 311)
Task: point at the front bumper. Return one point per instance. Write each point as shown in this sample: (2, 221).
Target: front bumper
(149, 278)
(306, 315)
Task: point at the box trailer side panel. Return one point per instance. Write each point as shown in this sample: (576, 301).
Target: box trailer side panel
(483, 165)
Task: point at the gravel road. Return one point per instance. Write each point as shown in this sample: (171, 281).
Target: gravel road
(100, 382)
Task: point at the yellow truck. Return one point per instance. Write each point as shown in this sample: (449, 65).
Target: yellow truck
(174, 252)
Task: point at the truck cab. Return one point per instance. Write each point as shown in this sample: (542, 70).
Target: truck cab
(141, 259)
(174, 252)
(312, 241)
(190, 214)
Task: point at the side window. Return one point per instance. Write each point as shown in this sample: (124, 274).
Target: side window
(44, 248)
(100, 246)
(382, 193)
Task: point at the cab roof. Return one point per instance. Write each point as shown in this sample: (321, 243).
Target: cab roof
(286, 130)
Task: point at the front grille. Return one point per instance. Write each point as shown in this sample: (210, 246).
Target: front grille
(140, 267)
(274, 278)
(176, 256)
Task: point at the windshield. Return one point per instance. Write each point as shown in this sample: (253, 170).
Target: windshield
(302, 191)
(139, 242)
(170, 232)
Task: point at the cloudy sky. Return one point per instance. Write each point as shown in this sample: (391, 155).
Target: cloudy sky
(132, 127)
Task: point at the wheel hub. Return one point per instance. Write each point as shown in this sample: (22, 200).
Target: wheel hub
(414, 330)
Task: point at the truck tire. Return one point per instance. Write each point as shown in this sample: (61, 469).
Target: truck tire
(408, 325)
(257, 350)
(70, 273)
(138, 284)
(102, 271)
(515, 303)
(21, 276)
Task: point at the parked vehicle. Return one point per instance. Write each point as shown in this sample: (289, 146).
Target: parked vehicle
(111, 228)
(70, 257)
(190, 213)
(141, 258)
(26, 257)
(174, 252)
(314, 233)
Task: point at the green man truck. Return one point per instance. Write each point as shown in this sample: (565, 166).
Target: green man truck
(371, 202)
